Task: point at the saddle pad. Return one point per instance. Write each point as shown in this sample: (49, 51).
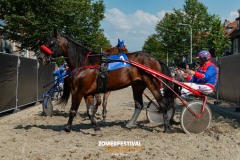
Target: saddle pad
(112, 65)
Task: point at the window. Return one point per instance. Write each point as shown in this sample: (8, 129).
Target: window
(238, 45)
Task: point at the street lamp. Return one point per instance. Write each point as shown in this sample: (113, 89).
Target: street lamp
(167, 52)
(183, 24)
(167, 56)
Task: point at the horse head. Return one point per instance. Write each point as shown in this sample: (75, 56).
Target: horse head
(54, 47)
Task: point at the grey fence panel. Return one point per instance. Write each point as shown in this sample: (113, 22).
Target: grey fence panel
(229, 79)
(27, 81)
(8, 81)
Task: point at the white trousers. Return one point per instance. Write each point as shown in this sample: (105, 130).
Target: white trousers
(201, 87)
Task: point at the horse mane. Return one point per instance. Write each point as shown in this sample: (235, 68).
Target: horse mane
(77, 53)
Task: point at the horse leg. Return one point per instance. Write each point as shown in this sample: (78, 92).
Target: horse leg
(98, 98)
(73, 111)
(168, 100)
(91, 111)
(154, 87)
(104, 104)
(138, 89)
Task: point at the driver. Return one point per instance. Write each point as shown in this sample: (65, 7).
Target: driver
(204, 78)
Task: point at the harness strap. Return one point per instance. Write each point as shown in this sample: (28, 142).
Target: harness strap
(71, 73)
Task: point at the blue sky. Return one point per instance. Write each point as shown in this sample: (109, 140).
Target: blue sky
(134, 20)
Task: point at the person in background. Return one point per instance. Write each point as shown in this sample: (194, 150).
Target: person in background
(60, 72)
(204, 78)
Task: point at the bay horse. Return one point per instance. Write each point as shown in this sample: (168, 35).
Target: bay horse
(119, 48)
(83, 83)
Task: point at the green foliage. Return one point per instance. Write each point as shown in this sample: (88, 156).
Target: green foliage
(217, 39)
(29, 22)
(207, 31)
(154, 47)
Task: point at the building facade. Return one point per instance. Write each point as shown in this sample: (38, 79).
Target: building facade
(232, 31)
(10, 47)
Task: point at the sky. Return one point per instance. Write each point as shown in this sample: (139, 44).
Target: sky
(134, 20)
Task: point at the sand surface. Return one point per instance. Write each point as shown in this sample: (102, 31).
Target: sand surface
(28, 135)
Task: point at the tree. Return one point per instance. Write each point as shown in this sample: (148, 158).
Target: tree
(207, 31)
(154, 47)
(168, 31)
(29, 23)
(216, 39)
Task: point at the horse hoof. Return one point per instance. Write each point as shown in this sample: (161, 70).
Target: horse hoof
(104, 114)
(97, 133)
(167, 130)
(131, 125)
(67, 129)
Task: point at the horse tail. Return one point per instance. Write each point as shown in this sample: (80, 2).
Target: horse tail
(66, 94)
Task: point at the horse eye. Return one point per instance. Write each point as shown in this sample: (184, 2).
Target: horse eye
(51, 42)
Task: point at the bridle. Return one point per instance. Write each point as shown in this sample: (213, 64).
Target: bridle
(50, 52)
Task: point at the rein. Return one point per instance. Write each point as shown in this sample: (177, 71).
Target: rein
(59, 58)
(71, 73)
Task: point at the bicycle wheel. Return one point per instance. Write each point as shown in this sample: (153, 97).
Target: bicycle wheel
(154, 116)
(47, 105)
(190, 124)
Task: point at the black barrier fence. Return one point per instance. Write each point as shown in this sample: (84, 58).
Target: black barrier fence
(45, 76)
(21, 81)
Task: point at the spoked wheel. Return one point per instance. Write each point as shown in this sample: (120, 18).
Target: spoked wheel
(154, 116)
(190, 124)
(47, 105)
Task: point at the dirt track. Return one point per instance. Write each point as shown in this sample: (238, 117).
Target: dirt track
(29, 135)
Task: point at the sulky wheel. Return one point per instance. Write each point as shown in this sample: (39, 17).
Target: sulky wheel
(190, 124)
(47, 105)
(154, 116)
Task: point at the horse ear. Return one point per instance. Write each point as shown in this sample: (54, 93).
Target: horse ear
(119, 41)
(55, 33)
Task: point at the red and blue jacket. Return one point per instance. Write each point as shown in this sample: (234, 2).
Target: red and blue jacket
(206, 74)
(60, 73)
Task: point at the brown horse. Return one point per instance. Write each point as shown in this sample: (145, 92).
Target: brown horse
(84, 82)
(119, 48)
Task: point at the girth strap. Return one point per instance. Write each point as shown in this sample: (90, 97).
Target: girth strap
(103, 76)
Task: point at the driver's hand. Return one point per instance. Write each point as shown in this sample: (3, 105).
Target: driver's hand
(191, 72)
(185, 75)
